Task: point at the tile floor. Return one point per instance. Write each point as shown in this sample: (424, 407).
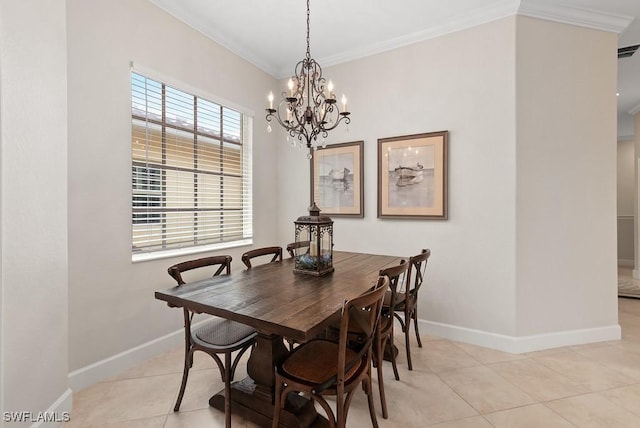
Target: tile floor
(453, 385)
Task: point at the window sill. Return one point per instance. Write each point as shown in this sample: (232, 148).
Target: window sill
(143, 257)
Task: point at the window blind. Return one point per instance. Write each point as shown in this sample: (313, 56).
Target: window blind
(191, 171)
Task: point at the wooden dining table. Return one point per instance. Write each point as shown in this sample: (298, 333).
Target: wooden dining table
(279, 304)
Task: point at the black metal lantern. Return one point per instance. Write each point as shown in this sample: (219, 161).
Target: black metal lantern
(314, 243)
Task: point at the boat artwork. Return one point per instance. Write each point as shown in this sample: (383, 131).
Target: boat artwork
(409, 175)
(339, 177)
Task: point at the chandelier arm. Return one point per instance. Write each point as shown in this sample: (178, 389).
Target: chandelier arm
(276, 113)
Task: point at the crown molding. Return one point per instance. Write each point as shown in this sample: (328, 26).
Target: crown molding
(498, 9)
(588, 18)
(471, 18)
(199, 24)
(635, 110)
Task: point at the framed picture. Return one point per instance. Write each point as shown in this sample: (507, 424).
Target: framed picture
(412, 176)
(337, 179)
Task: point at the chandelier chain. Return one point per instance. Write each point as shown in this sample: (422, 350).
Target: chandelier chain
(308, 37)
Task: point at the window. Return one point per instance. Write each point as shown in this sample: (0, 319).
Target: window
(191, 171)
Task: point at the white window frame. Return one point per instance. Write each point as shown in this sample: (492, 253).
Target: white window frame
(246, 237)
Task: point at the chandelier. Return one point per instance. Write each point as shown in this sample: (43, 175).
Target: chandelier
(309, 109)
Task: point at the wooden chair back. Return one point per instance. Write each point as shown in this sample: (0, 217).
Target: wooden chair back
(223, 263)
(417, 268)
(296, 245)
(275, 252)
(364, 311)
(397, 276)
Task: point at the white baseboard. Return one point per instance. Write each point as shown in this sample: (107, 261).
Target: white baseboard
(116, 364)
(59, 411)
(626, 262)
(519, 345)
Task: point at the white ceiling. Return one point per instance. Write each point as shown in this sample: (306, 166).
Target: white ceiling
(271, 33)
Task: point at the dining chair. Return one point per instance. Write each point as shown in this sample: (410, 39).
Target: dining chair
(384, 335)
(275, 252)
(216, 336)
(292, 247)
(322, 367)
(408, 304)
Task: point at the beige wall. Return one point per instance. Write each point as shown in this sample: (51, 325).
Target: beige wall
(33, 208)
(111, 303)
(566, 178)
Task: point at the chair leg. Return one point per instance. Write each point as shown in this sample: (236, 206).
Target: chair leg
(379, 355)
(227, 389)
(415, 325)
(341, 417)
(368, 388)
(188, 358)
(407, 342)
(393, 356)
(277, 403)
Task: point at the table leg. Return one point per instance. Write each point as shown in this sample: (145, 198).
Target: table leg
(253, 397)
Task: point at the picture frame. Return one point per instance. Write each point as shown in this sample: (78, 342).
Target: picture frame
(412, 176)
(337, 179)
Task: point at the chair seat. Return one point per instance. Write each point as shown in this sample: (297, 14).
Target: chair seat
(223, 333)
(400, 297)
(316, 361)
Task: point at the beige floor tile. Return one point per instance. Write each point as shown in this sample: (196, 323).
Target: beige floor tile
(443, 355)
(540, 382)
(534, 416)
(423, 398)
(623, 361)
(593, 410)
(593, 375)
(166, 363)
(592, 345)
(627, 397)
(155, 422)
(485, 390)
(474, 422)
(201, 385)
(545, 352)
(629, 345)
(205, 418)
(111, 402)
(486, 355)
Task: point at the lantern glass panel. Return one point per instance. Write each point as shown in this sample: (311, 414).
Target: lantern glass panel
(314, 238)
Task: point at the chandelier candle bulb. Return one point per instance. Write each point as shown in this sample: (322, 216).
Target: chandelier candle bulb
(270, 100)
(290, 85)
(344, 103)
